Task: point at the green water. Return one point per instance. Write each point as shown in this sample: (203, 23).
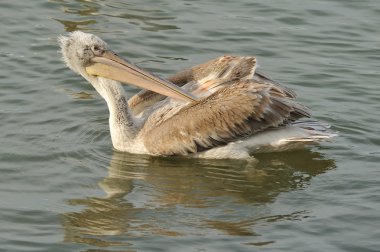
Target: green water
(63, 188)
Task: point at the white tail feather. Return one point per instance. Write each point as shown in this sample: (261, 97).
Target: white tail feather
(290, 137)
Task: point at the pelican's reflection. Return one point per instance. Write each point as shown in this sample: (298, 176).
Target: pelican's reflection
(177, 196)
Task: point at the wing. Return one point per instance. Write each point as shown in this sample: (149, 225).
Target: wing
(237, 109)
(198, 79)
(264, 78)
(199, 76)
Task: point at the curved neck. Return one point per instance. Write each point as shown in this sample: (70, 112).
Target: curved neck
(122, 124)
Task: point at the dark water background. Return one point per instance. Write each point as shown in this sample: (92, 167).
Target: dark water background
(63, 188)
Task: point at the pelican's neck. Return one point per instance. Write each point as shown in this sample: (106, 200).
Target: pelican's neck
(123, 127)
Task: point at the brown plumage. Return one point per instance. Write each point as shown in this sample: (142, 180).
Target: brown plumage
(222, 68)
(237, 107)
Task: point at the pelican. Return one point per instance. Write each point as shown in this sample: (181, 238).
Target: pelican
(220, 109)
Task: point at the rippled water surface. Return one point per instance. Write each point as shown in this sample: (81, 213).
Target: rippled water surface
(63, 188)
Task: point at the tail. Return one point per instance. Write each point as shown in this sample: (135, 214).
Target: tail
(316, 131)
(296, 135)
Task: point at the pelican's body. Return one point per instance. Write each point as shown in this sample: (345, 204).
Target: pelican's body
(220, 109)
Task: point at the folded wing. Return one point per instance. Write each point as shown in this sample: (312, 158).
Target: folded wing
(238, 108)
(202, 78)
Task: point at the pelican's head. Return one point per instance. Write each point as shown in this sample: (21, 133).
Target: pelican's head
(79, 48)
(89, 56)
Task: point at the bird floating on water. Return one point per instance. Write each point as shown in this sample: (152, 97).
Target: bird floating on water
(219, 109)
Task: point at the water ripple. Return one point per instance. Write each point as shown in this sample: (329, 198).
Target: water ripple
(64, 188)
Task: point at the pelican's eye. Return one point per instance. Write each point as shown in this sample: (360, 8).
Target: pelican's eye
(97, 50)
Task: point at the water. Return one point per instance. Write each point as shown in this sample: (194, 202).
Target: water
(63, 188)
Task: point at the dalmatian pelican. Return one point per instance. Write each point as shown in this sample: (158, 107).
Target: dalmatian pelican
(220, 109)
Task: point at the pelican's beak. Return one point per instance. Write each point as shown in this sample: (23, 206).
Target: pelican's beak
(111, 66)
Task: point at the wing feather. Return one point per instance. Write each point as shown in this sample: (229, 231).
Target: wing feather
(224, 67)
(239, 109)
(201, 79)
